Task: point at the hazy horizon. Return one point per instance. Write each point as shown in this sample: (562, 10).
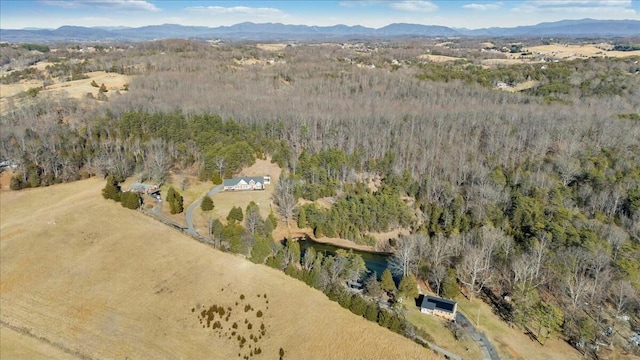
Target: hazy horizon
(469, 14)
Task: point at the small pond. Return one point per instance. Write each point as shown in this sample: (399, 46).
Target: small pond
(374, 261)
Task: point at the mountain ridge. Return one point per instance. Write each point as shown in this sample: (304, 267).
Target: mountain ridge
(284, 32)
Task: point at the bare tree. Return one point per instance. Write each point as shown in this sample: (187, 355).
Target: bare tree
(615, 236)
(575, 276)
(157, 160)
(474, 272)
(568, 169)
(284, 198)
(405, 255)
(598, 266)
(252, 218)
(622, 293)
(436, 276)
(220, 164)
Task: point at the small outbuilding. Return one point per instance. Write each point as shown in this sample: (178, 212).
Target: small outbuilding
(439, 307)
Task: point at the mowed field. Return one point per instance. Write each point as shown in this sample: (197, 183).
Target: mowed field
(82, 275)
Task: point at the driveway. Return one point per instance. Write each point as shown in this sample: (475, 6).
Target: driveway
(486, 347)
(191, 230)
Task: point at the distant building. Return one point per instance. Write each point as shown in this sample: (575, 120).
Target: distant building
(246, 183)
(142, 188)
(439, 307)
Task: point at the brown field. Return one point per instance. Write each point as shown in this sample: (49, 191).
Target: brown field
(271, 47)
(108, 282)
(16, 345)
(439, 58)
(570, 52)
(77, 89)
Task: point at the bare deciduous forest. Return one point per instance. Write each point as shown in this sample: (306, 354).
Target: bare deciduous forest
(531, 198)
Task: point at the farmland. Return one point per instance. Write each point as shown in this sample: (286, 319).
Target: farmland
(106, 282)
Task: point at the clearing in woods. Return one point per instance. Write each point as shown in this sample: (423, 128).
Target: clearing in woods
(103, 281)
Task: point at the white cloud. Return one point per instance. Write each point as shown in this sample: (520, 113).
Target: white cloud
(128, 5)
(414, 6)
(236, 10)
(483, 7)
(359, 3)
(578, 6)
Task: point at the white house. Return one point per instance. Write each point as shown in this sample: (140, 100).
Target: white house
(244, 183)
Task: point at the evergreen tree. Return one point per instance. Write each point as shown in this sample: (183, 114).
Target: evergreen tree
(235, 214)
(387, 283)
(130, 200)
(236, 245)
(273, 219)
(372, 285)
(449, 285)
(261, 249)
(358, 305)
(408, 287)
(216, 179)
(207, 203)
(372, 312)
(16, 183)
(111, 190)
(175, 201)
(302, 218)
(292, 251)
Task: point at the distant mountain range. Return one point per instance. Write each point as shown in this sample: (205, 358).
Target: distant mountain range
(282, 32)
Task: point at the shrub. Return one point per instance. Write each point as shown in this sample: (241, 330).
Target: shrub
(207, 203)
(130, 200)
(216, 179)
(111, 190)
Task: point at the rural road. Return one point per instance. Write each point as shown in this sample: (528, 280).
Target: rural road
(157, 212)
(488, 351)
(191, 230)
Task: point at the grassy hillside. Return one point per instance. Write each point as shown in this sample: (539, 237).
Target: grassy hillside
(106, 282)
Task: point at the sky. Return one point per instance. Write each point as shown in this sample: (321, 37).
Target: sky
(471, 14)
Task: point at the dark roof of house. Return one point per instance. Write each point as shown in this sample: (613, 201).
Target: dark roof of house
(235, 181)
(433, 303)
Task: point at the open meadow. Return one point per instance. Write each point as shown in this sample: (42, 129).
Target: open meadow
(82, 275)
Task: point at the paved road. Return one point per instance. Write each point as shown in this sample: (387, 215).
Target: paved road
(157, 212)
(488, 351)
(191, 230)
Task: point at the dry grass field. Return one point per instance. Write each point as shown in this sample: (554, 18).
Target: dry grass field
(570, 52)
(78, 89)
(439, 58)
(443, 337)
(75, 89)
(16, 345)
(511, 343)
(271, 47)
(106, 282)
(224, 201)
